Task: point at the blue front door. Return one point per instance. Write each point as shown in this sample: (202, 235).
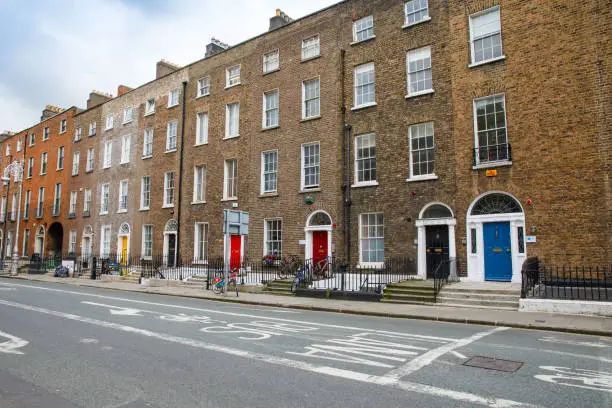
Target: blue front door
(497, 251)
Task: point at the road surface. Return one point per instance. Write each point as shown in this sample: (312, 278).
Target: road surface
(64, 347)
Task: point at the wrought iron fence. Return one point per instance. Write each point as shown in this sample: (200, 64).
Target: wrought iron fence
(446, 271)
(542, 281)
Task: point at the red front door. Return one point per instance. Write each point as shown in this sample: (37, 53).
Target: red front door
(235, 244)
(319, 246)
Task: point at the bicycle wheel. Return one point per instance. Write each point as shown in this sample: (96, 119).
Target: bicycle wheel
(217, 288)
(282, 271)
(232, 287)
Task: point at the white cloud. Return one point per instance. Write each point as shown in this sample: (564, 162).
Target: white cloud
(66, 51)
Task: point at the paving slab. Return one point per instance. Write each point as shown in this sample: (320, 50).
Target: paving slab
(601, 326)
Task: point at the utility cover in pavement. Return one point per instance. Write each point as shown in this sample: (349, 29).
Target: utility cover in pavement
(493, 364)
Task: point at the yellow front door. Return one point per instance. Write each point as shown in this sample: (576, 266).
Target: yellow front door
(124, 250)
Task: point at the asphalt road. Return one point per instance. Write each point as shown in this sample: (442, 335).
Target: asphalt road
(64, 347)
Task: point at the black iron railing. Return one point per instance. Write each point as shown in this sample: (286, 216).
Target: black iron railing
(442, 273)
(542, 281)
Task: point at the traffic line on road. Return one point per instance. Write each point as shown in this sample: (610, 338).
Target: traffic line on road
(285, 362)
(433, 339)
(13, 343)
(429, 357)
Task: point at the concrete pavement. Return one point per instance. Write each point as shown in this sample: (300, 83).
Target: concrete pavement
(542, 321)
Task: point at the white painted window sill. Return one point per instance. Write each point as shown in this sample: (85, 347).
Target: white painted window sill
(149, 113)
(310, 118)
(477, 64)
(124, 162)
(368, 105)
(426, 19)
(422, 178)
(127, 121)
(362, 41)
(121, 211)
(203, 95)
(144, 209)
(229, 199)
(106, 130)
(365, 184)
(200, 144)
(104, 213)
(310, 58)
(268, 194)
(271, 71)
(198, 202)
(147, 157)
(306, 190)
(106, 167)
(263, 129)
(168, 206)
(231, 137)
(170, 151)
(414, 95)
(172, 106)
(489, 165)
(231, 86)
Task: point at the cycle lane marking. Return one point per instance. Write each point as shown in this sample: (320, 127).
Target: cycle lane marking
(589, 379)
(295, 364)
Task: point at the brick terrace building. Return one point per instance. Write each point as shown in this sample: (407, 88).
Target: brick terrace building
(424, 129)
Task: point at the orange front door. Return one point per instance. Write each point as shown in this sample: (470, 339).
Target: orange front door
(319, 246)
(235, 254)
(124, 245)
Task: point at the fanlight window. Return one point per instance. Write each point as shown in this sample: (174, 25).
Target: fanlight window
(319, 219)
(124, 229)
(437, 211)
(171, 226)
(496, 204)
(88, 230)
(41, 231)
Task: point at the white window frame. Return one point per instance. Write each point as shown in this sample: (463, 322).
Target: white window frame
(370, 264)
(419, 54)
(110, 121)
(78, 134)
(92, 128)
(145, 193)
(45, 133)
(104, 198)
(108, 154)
(203, 86)
(147, 250)
(232, 76)
(149, 107)
(303, 185)
(201, 128)
(14, 207)
(169, 187)
(147, 143)
(90, 160)
(8, 150)
(427, 176)
(272, 171)
(360, 183)
(32, 140)
(271, 112)
(494, 9)
(40, 202)
(30, 167)
(230, 180)
(63, 126)
(128, 114)
(358, 28)
(76, 158)
(317, 98)
(492, 163)
(126, 144)
(199, 184)
(123, 196)
(311, 47)
(73, 203)
(19, 145)
(200, 243)
(3, 207)
(57, 199)
(232, 123)
(44, 162)
(414, 11)
(60, 157)
(105, 241)
(27, 204)
(72, 240)
(267, 241)
(271, 61)
(361, 70)
(26, 241)
(172, 136)
(87, 200)
(173, 97)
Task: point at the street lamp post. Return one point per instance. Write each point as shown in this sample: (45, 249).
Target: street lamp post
(15, 169)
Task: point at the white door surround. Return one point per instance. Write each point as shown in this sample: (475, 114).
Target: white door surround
(318, 221)
(443, 216)
(171, 228)
(506, 209)
(39, 241)
(124, 231)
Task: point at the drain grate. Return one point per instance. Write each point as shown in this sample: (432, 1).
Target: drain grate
(494, 364)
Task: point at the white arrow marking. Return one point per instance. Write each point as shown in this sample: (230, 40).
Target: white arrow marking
(458, 354)
(551, 339)
(11, 346)
(116, 310)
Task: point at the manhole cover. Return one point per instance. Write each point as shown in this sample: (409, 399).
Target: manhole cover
(493, 364)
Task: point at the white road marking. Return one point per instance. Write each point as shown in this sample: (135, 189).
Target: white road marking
(560, 353)
(116, 310)
(427, 358)
(458, 354)
(7, 289)
(433, 339)
(579, 378)
(88, 341)
(13, 343)
(285, 362)
(551, 339)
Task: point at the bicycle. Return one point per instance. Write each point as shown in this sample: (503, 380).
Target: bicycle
(289, 265)
(320, 268)
(218, 285)
(299, 279)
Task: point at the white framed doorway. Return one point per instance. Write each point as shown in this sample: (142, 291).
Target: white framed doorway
(123, 243)
(318, 231)
(170, 243)
(435, 219)
(39, 241)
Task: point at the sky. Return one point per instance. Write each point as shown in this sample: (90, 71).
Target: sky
(57, 51)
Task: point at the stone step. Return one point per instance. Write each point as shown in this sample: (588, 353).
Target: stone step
(410, 298)
(279, 292)
(407, 302)
(451, 288)
(480, 295)
(514, 309)
(409, 290)
(413, 283)
(478, 302)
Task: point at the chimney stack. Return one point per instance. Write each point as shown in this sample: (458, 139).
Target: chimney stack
(214, 47)
(165, 67)
(279, 20)
(97, 98)
(50, 111)
(121, 89)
